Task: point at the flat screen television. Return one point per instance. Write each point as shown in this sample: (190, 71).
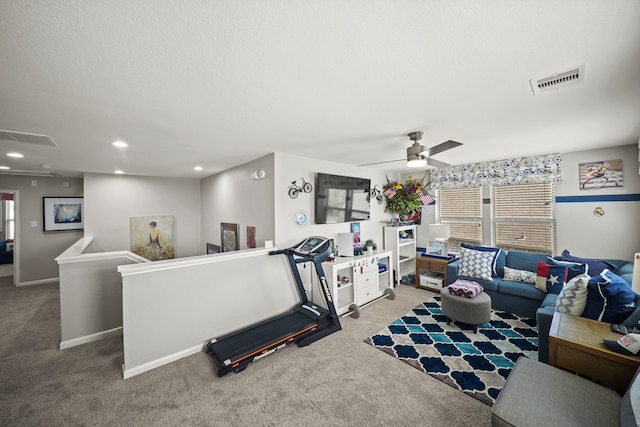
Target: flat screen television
(341, 198)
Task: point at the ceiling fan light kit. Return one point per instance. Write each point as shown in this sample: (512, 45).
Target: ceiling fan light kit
(418, 156)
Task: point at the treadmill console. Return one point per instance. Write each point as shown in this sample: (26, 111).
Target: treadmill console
(314, 245)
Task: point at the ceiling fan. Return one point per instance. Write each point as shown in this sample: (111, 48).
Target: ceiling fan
(418, 155)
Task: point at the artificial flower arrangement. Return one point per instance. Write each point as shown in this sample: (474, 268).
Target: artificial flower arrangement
(406, 198)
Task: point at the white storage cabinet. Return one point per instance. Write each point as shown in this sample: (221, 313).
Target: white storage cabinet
(357, 281)
(401, 242)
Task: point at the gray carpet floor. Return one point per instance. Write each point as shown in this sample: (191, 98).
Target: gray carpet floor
(338, 380)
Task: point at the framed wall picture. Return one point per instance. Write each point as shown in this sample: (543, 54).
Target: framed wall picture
(62, 213)
(152, 237)
(251, 236)
(212, 249)
(229, 237)
(595, 175)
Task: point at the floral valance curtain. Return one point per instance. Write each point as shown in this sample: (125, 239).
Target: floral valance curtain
(521, 170)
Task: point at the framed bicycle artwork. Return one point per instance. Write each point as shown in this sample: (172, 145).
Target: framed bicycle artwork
(603, 174)
(229, 237)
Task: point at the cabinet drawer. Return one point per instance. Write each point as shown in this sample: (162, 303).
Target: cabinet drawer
(366, 293)
(368, 278)
(436, 267)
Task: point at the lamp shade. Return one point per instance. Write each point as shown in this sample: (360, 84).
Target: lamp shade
(635, 283)
(439, 231)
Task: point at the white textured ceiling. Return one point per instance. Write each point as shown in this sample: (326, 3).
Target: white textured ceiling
(218, 83)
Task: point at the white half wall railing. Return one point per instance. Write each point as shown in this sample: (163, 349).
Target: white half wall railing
(91, 292)
(172, 308)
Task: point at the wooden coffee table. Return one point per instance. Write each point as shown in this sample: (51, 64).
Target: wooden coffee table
(575, 344)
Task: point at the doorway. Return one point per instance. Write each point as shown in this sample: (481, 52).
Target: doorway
(9, 234)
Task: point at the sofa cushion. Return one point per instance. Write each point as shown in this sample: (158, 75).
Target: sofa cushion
(477, 264)
(573, 268)
(524, 260)
(610, 299)
(520, 289)
(515, 275)
(572, 299)
(596, 266)
(550, 278)
(3, 246)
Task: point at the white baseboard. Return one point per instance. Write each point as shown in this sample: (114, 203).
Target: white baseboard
(90, 338)
(39, 282)
(130, 372)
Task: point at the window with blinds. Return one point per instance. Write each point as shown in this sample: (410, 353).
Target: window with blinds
(524, 218)
(461, 209)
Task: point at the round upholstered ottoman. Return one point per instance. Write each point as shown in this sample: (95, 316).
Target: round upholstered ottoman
(473, 311)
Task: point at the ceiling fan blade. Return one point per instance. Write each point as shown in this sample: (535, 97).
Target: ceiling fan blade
(437, 163)
(447, 145)
(386, 161)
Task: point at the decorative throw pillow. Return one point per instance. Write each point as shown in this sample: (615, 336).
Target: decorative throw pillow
(573, 268)
(550, 278)
(494, 251)
(596, 266)
(519, 275)
(572, 299)
(476, 264)
(610, 299)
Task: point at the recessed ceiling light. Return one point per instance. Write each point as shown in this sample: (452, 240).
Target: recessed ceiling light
(118, 172)
(16, 155)
(198, 168)
(5, 167)
(120, 144)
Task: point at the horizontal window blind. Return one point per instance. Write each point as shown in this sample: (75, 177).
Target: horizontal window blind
(524, 217)
(523, 201)
(532, 236)
(461, 202)
(461, 209)
(466, 231)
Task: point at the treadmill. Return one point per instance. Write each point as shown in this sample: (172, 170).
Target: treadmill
(303, 325)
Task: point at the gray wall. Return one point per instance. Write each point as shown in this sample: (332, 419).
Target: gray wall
(38, 249)
(111, 200)
(233, 196)
(616, 234)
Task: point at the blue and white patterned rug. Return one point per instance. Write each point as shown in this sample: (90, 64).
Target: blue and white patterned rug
(476, 364)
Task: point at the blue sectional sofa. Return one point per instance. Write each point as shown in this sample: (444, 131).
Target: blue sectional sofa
(6, 256)
(527, 300)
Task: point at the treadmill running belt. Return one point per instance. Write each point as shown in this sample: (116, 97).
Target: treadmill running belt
(252, 341)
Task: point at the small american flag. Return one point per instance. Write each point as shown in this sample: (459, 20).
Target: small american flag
(390, 192)
(426, 198)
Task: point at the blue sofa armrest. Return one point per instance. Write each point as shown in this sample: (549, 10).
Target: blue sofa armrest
(544, 316)
(452, 271)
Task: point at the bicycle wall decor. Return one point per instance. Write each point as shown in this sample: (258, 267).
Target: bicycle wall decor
(295, 189)
(595, 175)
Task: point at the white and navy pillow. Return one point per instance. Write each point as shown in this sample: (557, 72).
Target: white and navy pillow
(610, 299)
(494, 251)
(515, 275)
(573, 296)
(478, 264)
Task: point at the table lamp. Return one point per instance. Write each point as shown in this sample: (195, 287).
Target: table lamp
(439, 232)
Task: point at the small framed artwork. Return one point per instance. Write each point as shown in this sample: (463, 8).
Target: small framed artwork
(212, 249)
(62, 213)
(229, 237)
(595, 175)
(251, 237)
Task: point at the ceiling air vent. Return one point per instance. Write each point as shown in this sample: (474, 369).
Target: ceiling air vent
(30, 138)
(557, 80)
